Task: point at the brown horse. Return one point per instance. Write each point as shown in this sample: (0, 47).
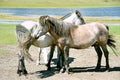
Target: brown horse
(79, 37)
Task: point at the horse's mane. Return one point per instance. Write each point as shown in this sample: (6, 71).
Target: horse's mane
(66, 16)
(59, 27)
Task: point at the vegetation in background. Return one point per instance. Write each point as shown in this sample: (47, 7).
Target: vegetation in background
(7, 33)
(57, 3)
(87, 19)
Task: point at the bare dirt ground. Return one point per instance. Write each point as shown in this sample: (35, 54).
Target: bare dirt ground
(82, 64)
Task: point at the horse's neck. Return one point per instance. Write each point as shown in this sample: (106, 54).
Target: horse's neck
(53, 34)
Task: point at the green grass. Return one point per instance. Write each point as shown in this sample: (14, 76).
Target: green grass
(57, 3)
(101, 19)
(87, 19)
(3, 51)
(115, 30)
(10, 17)
(7, 34)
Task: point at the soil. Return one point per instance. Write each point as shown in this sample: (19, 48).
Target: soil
(82, 64)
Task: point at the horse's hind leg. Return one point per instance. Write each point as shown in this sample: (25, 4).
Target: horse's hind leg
(99, 54)
(38, 60)
(21, 65)
(66, 58)
(106, 54)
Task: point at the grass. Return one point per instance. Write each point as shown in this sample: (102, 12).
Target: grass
(7, 34)
(101, 19)
(10, 17)
(57, 4)
(116, 32)
(3, 51)
(87, 19)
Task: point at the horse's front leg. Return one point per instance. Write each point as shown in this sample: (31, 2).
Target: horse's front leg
(50, 56)
(21, 65)
(59, 58)
(66, 58)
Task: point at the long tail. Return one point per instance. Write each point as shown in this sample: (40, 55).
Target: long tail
(23, 37)
(111, 42)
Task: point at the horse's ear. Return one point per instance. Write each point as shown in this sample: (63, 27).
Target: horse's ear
(47, 20)
(78, 13)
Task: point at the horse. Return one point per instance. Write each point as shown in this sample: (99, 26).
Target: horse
(25, 32)
(68, 35)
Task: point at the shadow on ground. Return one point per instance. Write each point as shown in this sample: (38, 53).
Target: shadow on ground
(92, 69)
(54, 70)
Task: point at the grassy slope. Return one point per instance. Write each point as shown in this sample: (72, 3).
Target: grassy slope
(57, 3)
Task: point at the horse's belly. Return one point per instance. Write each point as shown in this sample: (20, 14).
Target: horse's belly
(82, 45)
(79, 46)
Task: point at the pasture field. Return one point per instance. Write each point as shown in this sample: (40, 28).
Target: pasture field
(82, 62)
(57, 4)
(7, 33)
(87, 19)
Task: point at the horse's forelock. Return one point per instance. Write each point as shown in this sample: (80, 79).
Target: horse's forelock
(42, 20)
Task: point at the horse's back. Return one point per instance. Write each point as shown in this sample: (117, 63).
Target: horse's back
(87, 34)
(28, 24)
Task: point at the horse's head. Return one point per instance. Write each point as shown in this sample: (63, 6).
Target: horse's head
(74, 17)
(80, 19)
(44, 26)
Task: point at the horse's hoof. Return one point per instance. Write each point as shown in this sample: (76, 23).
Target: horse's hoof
(97, 68)
(20, 72)
(107, 68)
(49, 68)
(25, 72)
(62, 70)
(37, 62)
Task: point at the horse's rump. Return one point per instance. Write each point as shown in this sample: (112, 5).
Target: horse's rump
(21, 33)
